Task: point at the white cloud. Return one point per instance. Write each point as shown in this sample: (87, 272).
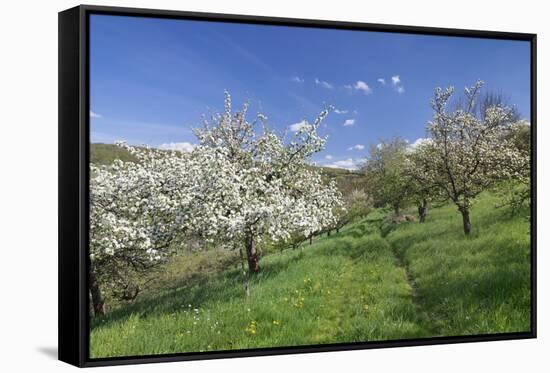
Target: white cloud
(420, 141)
(94, 115)
(323, 83)
(395, 80)
(297, 79)
(381, 81)
(340, 111)
(347, 164)
(349, 122)
(362, 86)
(298, 126)
(357, 147)
(348, 86)
(328, 157)
(180, 146)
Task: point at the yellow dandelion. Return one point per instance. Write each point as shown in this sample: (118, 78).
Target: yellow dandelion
(366, 307)
(275, 322)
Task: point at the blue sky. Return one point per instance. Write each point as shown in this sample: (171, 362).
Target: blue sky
(152, 79)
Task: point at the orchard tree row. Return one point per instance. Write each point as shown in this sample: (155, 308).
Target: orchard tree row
(478, 144)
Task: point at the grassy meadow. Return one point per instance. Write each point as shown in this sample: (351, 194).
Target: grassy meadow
(372, 281)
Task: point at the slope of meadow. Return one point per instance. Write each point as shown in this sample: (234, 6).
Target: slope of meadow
(419, 280)
(470, 285)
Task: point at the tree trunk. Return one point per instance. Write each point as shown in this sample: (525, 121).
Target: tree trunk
(466, 220)
(245, 275)
(338, 230)
(311, 238)
(252, 255)
(98, 304)
(422, 211)
(396, 210)
(328, 233)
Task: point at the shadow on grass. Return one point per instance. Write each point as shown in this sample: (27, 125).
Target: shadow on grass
(200, 288)
(483, 294)
(197, 292)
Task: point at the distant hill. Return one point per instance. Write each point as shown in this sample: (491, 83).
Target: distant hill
(346, 180)
(107, 153)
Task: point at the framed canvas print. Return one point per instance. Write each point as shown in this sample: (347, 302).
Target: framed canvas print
(235, 186)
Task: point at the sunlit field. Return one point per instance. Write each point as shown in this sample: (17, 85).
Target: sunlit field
(418, 281)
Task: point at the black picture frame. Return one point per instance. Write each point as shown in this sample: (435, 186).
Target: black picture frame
(74, 179)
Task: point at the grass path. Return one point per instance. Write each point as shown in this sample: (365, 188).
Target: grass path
(427, 320)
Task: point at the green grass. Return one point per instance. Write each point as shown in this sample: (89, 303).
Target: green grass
(419, 281)
(470, 285)
(341, 289)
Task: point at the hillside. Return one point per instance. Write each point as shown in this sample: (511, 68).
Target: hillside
(107, 153)
(418, 280)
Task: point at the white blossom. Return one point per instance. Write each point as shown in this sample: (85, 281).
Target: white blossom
(237, 181)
